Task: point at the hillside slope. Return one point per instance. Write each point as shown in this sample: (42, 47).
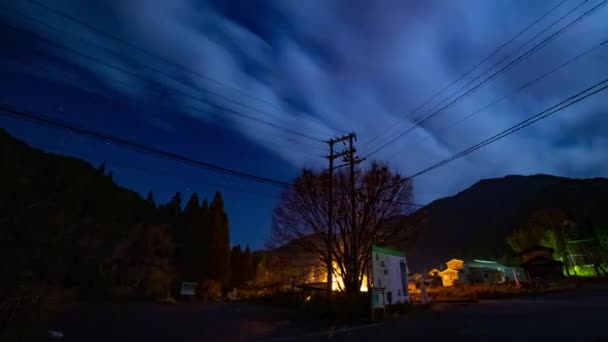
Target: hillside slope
(475, 222)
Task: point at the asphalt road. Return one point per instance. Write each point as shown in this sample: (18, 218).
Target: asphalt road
(578, 316)
(582, 315)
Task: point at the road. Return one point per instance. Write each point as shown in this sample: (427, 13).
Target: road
(579, 316)
(567, 316)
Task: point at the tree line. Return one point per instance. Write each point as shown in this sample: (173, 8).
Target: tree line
(66, 226)
(578, 238)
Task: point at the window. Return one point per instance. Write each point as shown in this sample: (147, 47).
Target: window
(376, 256)
(382, 264)
(385, 272)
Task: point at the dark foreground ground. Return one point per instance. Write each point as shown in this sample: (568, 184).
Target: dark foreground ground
(571, 316)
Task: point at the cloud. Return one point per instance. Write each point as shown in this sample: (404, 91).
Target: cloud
(321, 66)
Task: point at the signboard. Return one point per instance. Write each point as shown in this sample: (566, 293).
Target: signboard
(389, 272)
(188, 289)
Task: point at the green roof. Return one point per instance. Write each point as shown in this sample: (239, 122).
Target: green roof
(387, 251)
(484, 264)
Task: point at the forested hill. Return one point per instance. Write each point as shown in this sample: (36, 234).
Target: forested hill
(52, 182)
(66, 224)
(475, 222)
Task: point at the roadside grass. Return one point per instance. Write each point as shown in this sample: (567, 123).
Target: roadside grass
(473, 292)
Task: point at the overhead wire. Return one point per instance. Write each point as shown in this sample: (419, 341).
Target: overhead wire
(86, 89)
(468, 72)
(151, 150)
(165, 60)
(7, 111)
(564, 104)
(139, 147)
(123, 70)
(529, 52)
(520, 88)
(144, 51)
(164, 173)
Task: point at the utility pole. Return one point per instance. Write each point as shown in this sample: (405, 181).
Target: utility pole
(330, 202)
(352, 160)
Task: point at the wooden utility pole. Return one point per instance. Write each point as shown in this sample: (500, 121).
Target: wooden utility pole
(330, 193)
(330, 202)
(352, 160)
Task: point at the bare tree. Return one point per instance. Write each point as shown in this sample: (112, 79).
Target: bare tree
(301, 218)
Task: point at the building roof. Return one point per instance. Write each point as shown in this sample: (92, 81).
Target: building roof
(541, 260)
(388, 251)
(448, 270)
(484, 264)
(455, 260)
(536, 248)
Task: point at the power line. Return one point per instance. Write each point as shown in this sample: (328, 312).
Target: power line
(157, 56)
(518, 59)
(151, 150)
(497, 73)
(467, 73)
(529, 121)
(139, 147)
(524, 86)
(496, 64)
(145, 79)
(165, 173)
(83, 88)
(141, 50)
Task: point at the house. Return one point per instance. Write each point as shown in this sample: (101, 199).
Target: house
(449, 277)
(389, 275)
(538, 262)
(480, 271)
(455, 264)
(485, 271)
(434, 272)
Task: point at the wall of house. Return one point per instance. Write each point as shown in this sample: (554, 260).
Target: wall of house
(536, 253)
(448, 277)
(455, 264)
(387, 273)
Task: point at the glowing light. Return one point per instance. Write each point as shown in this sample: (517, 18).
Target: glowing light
(338, 281)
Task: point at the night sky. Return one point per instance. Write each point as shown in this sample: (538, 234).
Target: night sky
(251, 85)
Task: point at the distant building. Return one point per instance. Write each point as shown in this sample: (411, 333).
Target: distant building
(485, 271)
(480, 271)
(449, 277)
(539, 263)
(455, 264)
(434, 272)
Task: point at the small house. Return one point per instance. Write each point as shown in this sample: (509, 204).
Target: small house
(455, 264)
(480, 271)
(483, 271)
(434, 272)
(449, 277)
(539, 263)
(486, 271)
